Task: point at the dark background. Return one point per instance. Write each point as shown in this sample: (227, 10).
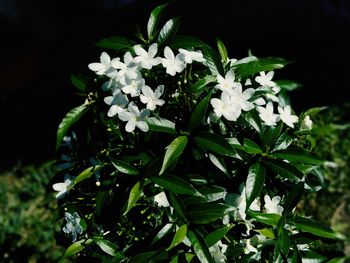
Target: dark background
(42, 42)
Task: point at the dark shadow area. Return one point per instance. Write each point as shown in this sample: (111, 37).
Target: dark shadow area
(43, 42)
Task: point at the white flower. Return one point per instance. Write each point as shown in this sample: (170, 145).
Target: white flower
(103, 66)
(134, 118)
(173, 64)
(267, 115)
(248, 82)
(161, 200)
(248, 247)
(225, 107)
(271, 205)
(132, 86)
(117, 103)
(73, 226)
(227, 83)
(147, 59)
(265, 79)
(190, 56)
(241, 98)
(287, 117)
(62, 188)
(218, 251)
(307, 122)
(259, 101)
(126, 69)
(152, 98)
(111, 85)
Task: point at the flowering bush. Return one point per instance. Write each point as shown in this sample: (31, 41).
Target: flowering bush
(181, 154)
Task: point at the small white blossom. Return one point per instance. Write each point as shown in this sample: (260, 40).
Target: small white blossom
(128, 68)
(152, 98)
(111, 85)
(103, 66)
(117, 103)
(241, 98)
(307, 122)
(287, 117)
(62, 188)
(227, 83)
(271, 205)
(249, 248)
(259, 101)
(266, 79)
(73, 226)
(267, 115)
(225, 107)
(134, 118)
(133, 86)
(161, 200)
(173, 64)
(147, 59)
(190, 56)
(218, 251)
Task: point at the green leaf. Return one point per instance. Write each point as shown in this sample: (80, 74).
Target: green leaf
(135, 194)
(162, 233)
(202, 83)
(154, 20)
(161, 125)
(86, 174)
(222, 49)
(212, 238)
(255, 182)
(213, 61)
(207, 213)
(298, 155)
(283, 141)
(288, 84)
(271, 134)
(125, 168)
(78, 82)
(72, 117)
(338, 260)
(313, 111)
(268, 219)
(186, 42)
(282, 243)
(175, 184)
(198, 113)
(251, 147)
(214, 143)
(200, 247)
(169, 30)
(253, 119)
(182, 258)
(262, 64)
(108, 247)
(173, 151)
(219, 163)
(177, 204)
(77, 247)
(149, 256)
(212, 193)
(312, 227)
(293, 198)
(312, 256)
(116, 43)
(179, 236)
(284, 169)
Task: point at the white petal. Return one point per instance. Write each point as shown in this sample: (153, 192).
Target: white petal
(140, 51)
(147, 91)
(113, 110)
(144, 114)
(168, 54)
(216, 103)
(159, 91)
(125, 116)
(59, 186)
(108, 100)
(130, 126)
(248, 93)
(152, 51)
(230, 76)
(96, 66)
(269, 75)
(142, 125)
(105, 59)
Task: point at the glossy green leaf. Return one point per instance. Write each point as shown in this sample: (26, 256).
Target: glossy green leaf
(179, 236)
(149, 256)
(187, 42)
(202, 83)
(284, 141)
(316, 229)
(173, 151)
(175, 184)
(207, 213)
(254, 183)
(177, 204)
(298, 155)
(218, 162)
(251, 147)
(253, 119)
(283, 242)
(125, 168)
(198, 113)
(212, 193)
(314, 257)
(214, 143)
(222, 49)
(182, 258)
(284, 169)
(116, 43)
(213, 61)
(313, 111)
(293, 198)
(200, 247)
(135, 194)
(77, 247)
(78, 82)
(212, 238)
(154, 20)
(268, 219)
(85, 174)
(161, 125)
(72, 117)
(271, 134)
(338, 260)
(288, 84)
(169, 30)
(166, 229)
(108, 247)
